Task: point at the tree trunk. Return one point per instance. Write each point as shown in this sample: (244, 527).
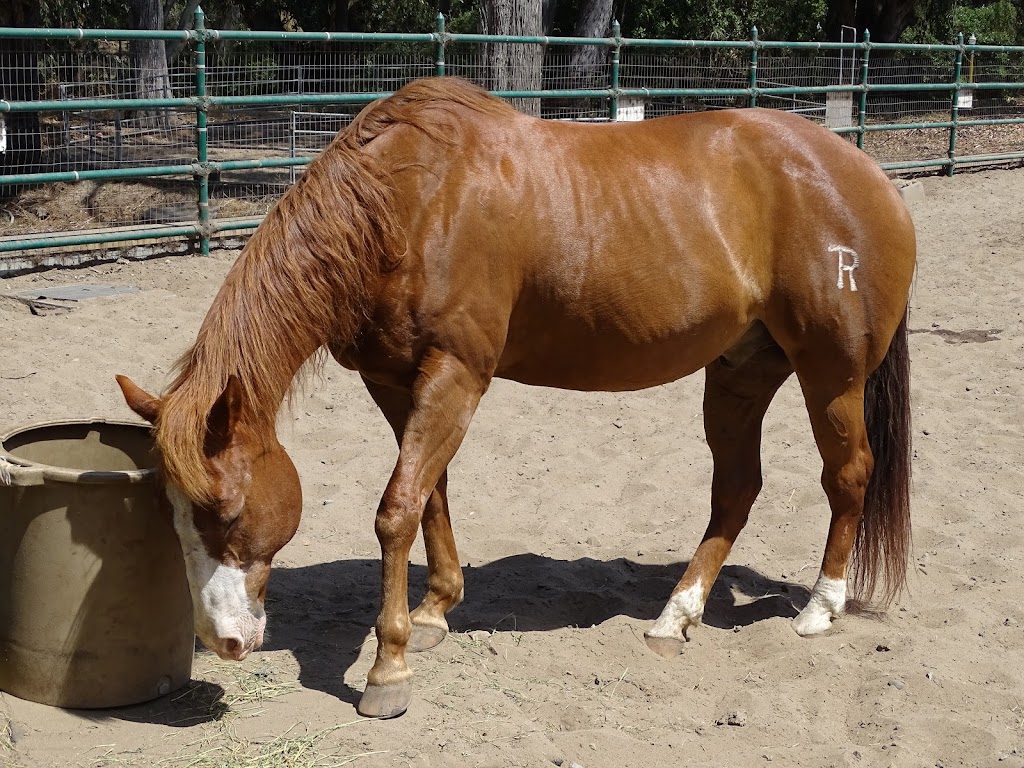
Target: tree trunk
(885, 19)
(548, 9)
(594, 20)
(19, 81)
(514, 66)
(890, 19)
(150, 57)
(187, 21)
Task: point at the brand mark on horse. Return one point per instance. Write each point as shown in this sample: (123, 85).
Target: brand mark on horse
(844, 265)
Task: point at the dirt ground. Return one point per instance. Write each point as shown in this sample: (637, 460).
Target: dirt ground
(575, 515)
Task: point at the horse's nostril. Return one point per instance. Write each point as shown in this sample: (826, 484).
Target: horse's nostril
(232, 646)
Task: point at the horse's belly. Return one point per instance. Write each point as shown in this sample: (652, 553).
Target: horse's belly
(566, 353)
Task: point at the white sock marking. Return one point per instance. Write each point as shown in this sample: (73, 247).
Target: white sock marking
(828, 599)
(683, 610)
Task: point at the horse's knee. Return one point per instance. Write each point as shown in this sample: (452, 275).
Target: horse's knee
(398, 516)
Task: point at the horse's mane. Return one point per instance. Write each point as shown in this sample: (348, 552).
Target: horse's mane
(418, 103)
(304, 278)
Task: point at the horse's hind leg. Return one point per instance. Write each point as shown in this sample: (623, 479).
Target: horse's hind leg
(444, 575)
(835, 403)
(735, 401)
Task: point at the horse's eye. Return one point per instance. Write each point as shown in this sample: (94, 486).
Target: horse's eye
(224, 512)
(230, 511)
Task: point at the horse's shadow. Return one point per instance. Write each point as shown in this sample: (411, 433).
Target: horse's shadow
(322, 613)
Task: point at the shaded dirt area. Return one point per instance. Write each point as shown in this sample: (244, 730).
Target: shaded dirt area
(575, 515)
(59, 208)
(933, 143)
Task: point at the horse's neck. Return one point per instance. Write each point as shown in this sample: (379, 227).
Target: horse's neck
(263, 332)
(305, 278)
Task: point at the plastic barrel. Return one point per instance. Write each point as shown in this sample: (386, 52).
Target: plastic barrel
(94, 603)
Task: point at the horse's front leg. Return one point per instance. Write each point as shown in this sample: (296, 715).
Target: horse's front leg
(444, 576)
(445, 396)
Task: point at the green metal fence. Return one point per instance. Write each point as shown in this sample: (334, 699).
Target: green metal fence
(754, 88)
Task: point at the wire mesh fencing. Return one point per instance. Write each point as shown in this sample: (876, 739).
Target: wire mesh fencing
(94, 139)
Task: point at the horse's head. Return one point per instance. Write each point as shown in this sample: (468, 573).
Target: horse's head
(229, 539)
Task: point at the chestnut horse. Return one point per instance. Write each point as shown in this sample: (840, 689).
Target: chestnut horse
(444, 239)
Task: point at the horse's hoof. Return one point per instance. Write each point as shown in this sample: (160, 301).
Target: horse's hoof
(812, 622)
(666, 647)
(424, 637)
(385, 701)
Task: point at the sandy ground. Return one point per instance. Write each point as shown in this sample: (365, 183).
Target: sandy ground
(575, 514)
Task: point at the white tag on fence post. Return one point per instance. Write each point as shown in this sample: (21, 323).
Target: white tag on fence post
(3, 135)
(838, 109)
(630, 110)
(965, 100)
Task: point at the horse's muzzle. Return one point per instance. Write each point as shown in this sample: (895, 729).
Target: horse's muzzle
(235, 647)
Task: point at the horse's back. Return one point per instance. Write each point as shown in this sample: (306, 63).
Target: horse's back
(627, 255)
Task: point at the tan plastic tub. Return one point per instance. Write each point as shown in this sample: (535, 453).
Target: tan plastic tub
(94, 603)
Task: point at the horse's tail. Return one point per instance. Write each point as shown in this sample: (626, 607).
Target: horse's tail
(882, 547)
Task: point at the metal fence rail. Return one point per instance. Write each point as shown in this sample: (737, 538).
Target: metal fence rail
(233, 126)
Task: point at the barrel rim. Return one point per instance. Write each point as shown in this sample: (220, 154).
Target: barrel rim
(25, 472)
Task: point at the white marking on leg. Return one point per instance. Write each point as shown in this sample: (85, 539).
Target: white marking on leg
(220, 601)
(683, 610)
(842, 251)
(828, 599)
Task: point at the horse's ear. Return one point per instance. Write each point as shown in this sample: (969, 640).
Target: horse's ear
(224, 416)
(140, 401)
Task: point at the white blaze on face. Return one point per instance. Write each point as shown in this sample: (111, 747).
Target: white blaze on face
(222, 606)
(683, 610)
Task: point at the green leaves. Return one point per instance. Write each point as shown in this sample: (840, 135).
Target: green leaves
(998, 23)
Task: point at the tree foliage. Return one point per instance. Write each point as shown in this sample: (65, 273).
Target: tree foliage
(998, 23)
(108, 14)
(722, 19)
(993, 21)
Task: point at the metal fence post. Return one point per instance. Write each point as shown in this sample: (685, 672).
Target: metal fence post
(954, 107)
(613, 102)
(863, 111)
(752, 102)
(292, 149)
(971, 41)
(202, 175)
(107, 98)
(439, 47)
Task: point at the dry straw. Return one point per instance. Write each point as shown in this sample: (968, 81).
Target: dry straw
(8, 756)
(289, 750)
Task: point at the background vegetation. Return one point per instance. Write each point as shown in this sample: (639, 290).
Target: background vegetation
(998, 22)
